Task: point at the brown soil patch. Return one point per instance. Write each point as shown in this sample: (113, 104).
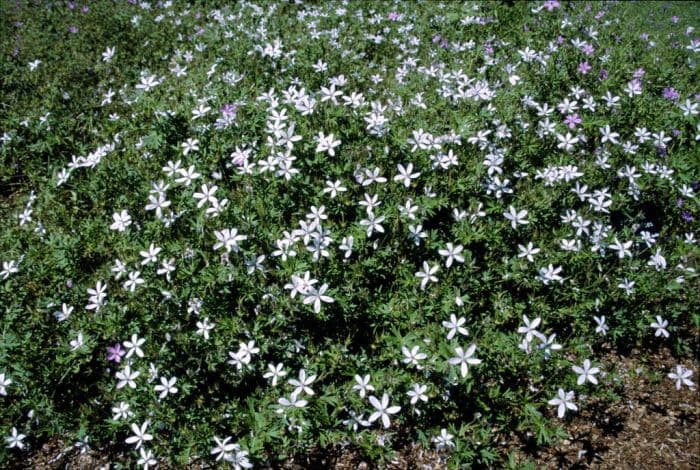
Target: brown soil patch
(653, 425)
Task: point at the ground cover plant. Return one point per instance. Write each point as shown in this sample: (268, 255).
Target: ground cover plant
(237, 233)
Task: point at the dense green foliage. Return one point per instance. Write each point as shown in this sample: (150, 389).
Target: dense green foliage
(383, 168)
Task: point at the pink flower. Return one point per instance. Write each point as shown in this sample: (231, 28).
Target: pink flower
(115, 353)
(571, 120)
(552, 4)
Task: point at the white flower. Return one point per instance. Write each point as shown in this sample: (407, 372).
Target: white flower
(275, 372)
(4, 383)
(427, 274)
(127, 377)
(146, 458)
(223, 449)
(204, 327)
(121, 221)
(601, 327)
(373, 223)
(528, 251)
(443, 440)
(417, 392)
(327, 143)
(549, 274)
(150, 255)
(660, 325)
(206, 195)
(140, 435)
(586, 373)
(362, 385)
(9, 267)
(530, 329)
(108, 54)
(302, 385)
(516, 217)
(77, 343)
(608, 135)
(622, 248)
(333, 188)
(133, 346)
(682, 377)
(292, 402)
(147, 83)
(464, 359)
(122, 411)
(228, 239)
(191, 145)
(15, 439)
(405, 174)
(452, 253)
(97, 297)
(627, 286)
(133, 281)
(563, 401)
(166, 386)
(317, 296)
(413, 357)
(383, 410)
(657, 260)
(455, 326)
(346, 245)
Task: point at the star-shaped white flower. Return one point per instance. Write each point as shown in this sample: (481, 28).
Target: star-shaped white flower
(564, 401)
(464, 359)
(383, 410)
(140, 435)
(427, 274)
(586, 373)
(516, 217)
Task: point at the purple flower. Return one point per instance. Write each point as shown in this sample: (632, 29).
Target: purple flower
(69, 283)
(671, 94)
(436, 38)
(674, 19)
(115, 353)
(560, 40)
(679, 202)
(571, 120)
(599, 15)
(552, 4)
(71, 5)
(229, 110)
(588, 49)
(644, 36)
(584, 67)
(639, 73)
(687, 216)
(73, 29)
(393, 16)
(676, 132)
(86, 9)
